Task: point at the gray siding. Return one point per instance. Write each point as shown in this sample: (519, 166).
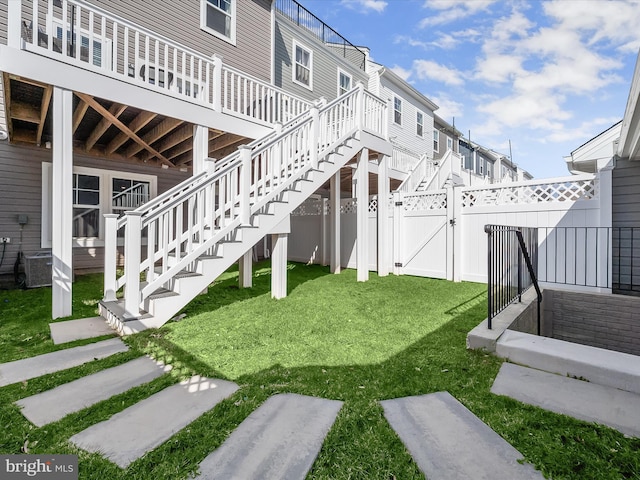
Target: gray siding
(626, 194)
(180, 21)
(21, 193)
(325, 63)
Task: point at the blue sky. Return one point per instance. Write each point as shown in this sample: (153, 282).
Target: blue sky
(546, 75)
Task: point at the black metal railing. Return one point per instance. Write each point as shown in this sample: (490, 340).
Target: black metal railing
(625, 254)
(512, 262)
(323, 32)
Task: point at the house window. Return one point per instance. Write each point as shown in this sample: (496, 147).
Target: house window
(303, 66)
(95, 192)
(449, 143)
(86, 205)
(397, 110)
(419, 124)
(218, 17)
(99, 54)
(344, 82)
(436, 141)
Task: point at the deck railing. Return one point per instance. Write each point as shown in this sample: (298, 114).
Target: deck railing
(87, 36)
(192, 218)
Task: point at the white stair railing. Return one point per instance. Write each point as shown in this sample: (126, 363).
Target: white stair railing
(191, 219)
(117, 48)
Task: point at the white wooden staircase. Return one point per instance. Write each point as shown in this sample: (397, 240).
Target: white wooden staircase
(181, 241)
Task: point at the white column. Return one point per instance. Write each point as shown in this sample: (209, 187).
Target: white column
(14, 21)
(324, 231)
(279, 244)
(361, 179)
(384, 248)
(61, 202)
(454, 233)
(245, 265)
(110, 254)
(398, 214)
(605, 235)
(334, 201)
(200, 148)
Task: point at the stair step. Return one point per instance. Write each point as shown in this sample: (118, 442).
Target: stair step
(576, 398)
(448, 441)
(597, 365)
(281, 439)
(130, 434)
(52, 405)
(21, 370)
(163, 293)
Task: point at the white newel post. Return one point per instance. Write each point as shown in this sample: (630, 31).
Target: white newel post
(383, 216)
(110, 256)
(397, 233)
(279, 244)
(245, 265)
(605, 235)
(132, 251)
(360, 106)
(62, 203)
(217, 83)
(245, 184)
(200, 148)
(334, 201)
(362, 216)
(14, 13)
(324, 231)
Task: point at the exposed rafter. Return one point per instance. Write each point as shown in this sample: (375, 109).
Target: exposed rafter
(176, 137)
(44, 108)
(78, 114)
(25, 112)
(115, 110)
(142, 119)
(155, 134)
(105, 113)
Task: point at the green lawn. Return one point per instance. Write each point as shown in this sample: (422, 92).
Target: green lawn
(332, 337)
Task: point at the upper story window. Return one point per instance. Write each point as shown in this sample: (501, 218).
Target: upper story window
(397, 110)
(419, 124)
(436, 141)
(96, 50)
(303, 66)
(449, 143)
(219, 18)
(344, 82)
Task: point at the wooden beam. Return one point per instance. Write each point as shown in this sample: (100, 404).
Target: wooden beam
(181, 134)
(104, 112)
(224, 141)
(6, 81)
(78, 114)
(23, 136)
(174, 153)
(228, 150)
(25, 112)
(44, 108)
(142, 119)
(115, 111)
(157, 132)
(18, 78)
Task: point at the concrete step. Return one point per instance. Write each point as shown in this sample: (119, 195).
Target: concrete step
(52, 405)
(449, 442)
(576, 398)
(71, 330)
(597, 365)
(280, 440)
(33, 367)
(130, 434)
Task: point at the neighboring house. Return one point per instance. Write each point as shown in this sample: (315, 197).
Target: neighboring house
(108, 104)
(596, 153)
(445, 137)
(310, 58)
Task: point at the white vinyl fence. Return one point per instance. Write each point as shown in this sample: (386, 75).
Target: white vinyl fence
(440, 233)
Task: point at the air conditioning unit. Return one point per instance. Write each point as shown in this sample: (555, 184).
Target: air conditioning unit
(38, 269)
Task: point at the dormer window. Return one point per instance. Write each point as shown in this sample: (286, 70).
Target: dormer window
(218, 17)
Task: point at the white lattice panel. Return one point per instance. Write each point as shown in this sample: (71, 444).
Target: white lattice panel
(569, 191)
(308, 207)
(425, 201)
(348, 206)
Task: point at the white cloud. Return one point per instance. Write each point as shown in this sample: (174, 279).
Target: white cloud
(448, 107)
(365, 6)
(452, 10)
(582, 132)
(427, 69)
(401, 72)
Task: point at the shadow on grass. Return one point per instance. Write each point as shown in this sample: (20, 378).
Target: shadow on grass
(228, 292)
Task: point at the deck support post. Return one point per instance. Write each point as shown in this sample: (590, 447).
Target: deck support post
(62, 203)
(334, 202)
(200, 148)
(279, 250)
(384, 248)
(245, 265)
(361, 180)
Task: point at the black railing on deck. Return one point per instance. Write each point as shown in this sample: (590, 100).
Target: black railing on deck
(626, 260)
(512, 262)
(327, 35)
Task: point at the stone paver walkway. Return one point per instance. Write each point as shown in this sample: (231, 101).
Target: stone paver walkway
(70, 330)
